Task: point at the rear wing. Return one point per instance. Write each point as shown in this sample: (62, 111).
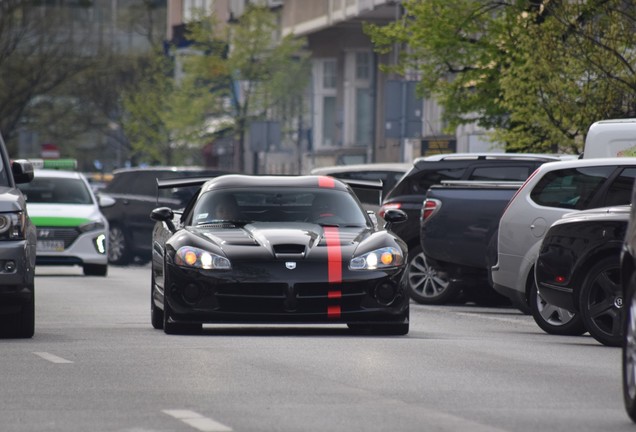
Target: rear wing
(369, 191)
(182, 182)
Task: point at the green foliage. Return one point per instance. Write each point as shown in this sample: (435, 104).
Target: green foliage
(536, 73)
(171, 115)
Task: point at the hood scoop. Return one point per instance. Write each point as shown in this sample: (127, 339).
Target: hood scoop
(289, 250)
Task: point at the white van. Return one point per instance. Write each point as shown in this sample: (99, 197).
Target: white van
(611, 138)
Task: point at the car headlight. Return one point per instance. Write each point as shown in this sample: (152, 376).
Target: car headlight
(189, 256)
(12, 226)
(378, 259)
(92, 226)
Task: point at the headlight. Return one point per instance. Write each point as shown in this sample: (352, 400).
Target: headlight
(92, 226)
(188, 256)
(378, 259)
(12, 226)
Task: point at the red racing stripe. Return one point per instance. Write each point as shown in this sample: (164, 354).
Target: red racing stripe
(334, 267)
(334, 254)
(326, 182)
(333, 311)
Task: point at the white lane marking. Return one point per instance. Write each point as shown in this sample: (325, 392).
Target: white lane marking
(52, 358)
(494, 318)
(197, 421)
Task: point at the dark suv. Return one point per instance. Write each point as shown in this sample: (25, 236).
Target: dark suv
(136, 195)
(410, 192)
(17, 251)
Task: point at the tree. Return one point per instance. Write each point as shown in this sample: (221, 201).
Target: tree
(61, 76)
(38, 54)
(537, 72)
(245, 64)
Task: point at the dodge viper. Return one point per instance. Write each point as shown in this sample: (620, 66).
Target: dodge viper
(276, 249)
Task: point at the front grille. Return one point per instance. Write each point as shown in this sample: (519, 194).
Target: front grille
(67, 235)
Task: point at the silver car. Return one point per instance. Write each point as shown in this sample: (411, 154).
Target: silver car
(554, 189)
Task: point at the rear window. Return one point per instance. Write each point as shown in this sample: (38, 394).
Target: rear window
(572, 188)
(505, 173)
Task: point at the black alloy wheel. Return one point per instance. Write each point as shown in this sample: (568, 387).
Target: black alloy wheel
(629, 351)
(427, 284)
(601, 301)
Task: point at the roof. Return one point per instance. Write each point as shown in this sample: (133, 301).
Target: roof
(388, 166)
(57, 173)
(248, 181)
(169, 168)
(588, 163)
(492, 156)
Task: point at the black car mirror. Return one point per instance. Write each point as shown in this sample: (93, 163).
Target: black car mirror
(22, 171)
(164, 214)
(392, 216)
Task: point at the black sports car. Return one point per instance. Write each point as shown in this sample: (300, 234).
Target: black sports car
(276, 249)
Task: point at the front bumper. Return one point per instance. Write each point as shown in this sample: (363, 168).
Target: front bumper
(269, 294)
(17, 267)
(84, 250)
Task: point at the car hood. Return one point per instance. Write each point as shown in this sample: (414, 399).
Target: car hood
(297, 239)
(62, 214)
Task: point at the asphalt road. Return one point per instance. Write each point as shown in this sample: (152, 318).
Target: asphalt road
(96, 364)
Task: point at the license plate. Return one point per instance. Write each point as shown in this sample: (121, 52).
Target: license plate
(50, 245)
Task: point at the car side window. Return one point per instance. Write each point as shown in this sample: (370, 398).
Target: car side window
(571, 188)
(620, 190)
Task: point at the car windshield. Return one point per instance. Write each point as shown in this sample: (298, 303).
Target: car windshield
(325, 207)
(54, 190)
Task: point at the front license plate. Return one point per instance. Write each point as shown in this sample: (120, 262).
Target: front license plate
(50, 245)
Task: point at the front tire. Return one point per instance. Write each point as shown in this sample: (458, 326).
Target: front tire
(552, 319)
(428, 285)
(601, 301)
(118, 248)
(156, 314)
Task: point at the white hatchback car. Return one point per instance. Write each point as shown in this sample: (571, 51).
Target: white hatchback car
(554, 189)
(71, 229)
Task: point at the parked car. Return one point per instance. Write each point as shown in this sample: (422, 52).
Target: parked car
(71, 230)
(578, 269)
(459, 221)
(136, 195)
(17, 247)
(628, 327)
(410, 192)
(285, 249)
(553, 190)
(388, 173)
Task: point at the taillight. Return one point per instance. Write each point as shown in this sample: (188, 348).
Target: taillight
(388, 206)
(429, 207)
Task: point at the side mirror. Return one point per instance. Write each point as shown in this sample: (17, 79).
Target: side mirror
(22, 171)
(392, 216)
(105, 200)
(164, 214)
